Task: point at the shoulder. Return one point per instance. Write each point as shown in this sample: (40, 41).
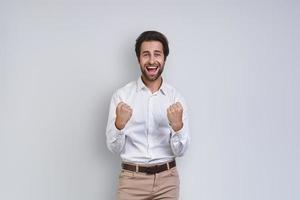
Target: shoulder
(172, 91)
(126, 89)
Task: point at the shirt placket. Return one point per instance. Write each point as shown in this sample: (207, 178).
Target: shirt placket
(150, 121)
(148, 125)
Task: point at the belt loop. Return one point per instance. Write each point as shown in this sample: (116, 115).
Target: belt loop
(168, 165)
(137, 168)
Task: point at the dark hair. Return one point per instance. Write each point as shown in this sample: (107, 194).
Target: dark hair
(152, 36)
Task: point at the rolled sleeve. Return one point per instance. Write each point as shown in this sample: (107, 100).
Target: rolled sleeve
(180, 139)
(115, 138)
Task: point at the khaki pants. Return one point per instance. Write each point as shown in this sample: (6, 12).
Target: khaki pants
(141, 186)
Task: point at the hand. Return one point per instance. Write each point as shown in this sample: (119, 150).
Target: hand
(124, 113)
(174, 113)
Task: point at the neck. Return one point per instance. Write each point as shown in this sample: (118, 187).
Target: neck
(153, 86)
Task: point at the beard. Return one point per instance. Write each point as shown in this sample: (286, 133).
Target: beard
(148, 76)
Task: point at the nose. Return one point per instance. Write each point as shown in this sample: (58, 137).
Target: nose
(151, 60)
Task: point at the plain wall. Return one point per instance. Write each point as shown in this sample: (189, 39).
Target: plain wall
(235, 62)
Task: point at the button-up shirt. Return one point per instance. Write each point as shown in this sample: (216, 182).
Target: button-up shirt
(147, 138)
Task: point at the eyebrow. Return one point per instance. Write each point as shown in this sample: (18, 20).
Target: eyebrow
(145, 52)
(155, 51)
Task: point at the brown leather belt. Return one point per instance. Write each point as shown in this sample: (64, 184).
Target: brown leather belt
(151, 169)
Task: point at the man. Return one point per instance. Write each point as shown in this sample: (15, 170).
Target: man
(148, 126)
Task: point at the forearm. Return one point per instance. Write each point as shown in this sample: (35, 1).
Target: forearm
(115, 139)
(179, 141)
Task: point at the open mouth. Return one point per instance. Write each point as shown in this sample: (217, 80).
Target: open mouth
(152, 69)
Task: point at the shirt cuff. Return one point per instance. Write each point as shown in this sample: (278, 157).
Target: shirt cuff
(118, 133)
(177, 135)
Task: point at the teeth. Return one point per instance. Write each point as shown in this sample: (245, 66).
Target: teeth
(151, 67)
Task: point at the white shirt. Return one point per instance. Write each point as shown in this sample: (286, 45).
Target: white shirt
(147, 137)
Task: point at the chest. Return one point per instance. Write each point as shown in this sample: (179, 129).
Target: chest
(150, 109)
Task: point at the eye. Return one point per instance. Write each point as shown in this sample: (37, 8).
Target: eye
(157, 54)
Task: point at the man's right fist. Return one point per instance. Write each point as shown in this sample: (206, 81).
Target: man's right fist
(124, 113)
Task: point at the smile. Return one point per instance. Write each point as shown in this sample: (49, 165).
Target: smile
(151, 69)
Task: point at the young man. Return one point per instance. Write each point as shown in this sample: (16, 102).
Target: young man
(148, 126)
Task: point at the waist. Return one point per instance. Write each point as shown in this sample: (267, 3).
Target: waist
(152, 169)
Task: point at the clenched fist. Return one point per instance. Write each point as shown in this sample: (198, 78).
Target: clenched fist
(174, 113)
(124, 113)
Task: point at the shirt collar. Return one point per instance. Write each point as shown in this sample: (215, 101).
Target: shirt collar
(140, 85)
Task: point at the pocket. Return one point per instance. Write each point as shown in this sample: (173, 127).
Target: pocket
(173, 178)
(126, 174)
(174, 172)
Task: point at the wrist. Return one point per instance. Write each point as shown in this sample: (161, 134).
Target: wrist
(177, 126)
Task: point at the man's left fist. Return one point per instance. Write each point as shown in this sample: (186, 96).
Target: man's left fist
(174, 113)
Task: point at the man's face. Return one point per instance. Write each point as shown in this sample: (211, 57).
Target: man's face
(152, 60)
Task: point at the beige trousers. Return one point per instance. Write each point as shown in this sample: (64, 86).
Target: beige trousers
(141, 186)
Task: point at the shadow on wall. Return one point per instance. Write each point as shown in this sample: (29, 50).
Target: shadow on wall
(110, 163)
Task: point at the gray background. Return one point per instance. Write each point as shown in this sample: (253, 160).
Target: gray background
(235, 62)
